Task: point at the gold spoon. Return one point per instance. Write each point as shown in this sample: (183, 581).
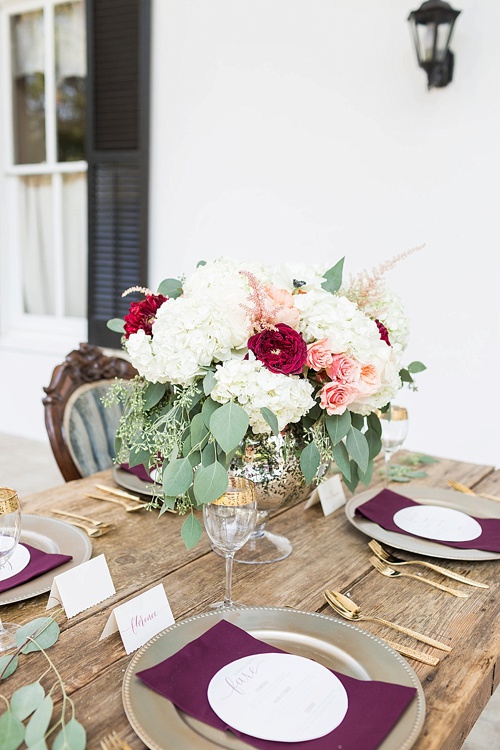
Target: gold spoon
(78, 517)
(391, 559)
(91, 531)
(350, 611)
(129, 508)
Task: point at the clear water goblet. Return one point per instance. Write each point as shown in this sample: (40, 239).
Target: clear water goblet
(10, 530)
(394, 424)
(229, 521)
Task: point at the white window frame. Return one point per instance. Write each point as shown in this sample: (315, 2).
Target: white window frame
(19, 329)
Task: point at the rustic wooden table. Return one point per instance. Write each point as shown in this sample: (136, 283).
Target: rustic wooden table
(328, 552)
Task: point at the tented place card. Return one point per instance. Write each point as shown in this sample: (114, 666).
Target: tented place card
(140, 619)
(82, 587)
(280, 697)
(330, 494)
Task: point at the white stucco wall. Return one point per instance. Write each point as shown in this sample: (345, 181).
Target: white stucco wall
(303, 129)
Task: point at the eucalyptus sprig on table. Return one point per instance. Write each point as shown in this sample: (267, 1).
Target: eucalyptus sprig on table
(31, 700)
(409, 468)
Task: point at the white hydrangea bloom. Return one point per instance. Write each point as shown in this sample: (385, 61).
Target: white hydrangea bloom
(285, 274)
(387, 307)
(253, 386)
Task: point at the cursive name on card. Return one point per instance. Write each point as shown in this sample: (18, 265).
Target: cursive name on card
(140, 618)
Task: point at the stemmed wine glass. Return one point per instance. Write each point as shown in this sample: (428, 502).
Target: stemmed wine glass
(10, 530)
(229, 521)
(394, 424)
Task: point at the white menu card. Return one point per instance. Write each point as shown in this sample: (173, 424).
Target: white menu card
(280, 697)
(436, 522)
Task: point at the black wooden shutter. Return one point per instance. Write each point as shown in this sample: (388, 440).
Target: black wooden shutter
(118, 45)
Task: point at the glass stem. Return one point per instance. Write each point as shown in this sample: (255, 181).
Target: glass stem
(387, 458)
(228, 602)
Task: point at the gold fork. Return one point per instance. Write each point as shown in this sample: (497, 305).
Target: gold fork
(386, 570)
(128, 507)
(78, 517)
(114, 742)
(92, 531)
(467, 491)
(391, 559)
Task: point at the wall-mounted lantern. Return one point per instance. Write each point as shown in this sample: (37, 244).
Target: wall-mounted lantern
(432, 26)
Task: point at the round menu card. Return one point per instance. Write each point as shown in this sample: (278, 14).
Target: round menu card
(17, 561)
(278, 697)
(436, 522)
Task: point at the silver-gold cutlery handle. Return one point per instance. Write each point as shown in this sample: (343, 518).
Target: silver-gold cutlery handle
(440, 586)
(408, 631)
(450, 574)
(413, 653)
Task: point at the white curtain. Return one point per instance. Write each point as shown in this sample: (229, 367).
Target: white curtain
(75, 244)
(28, 44)
(36, 241)
(70, 40)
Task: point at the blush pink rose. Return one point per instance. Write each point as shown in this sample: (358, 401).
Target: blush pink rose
(369, 381)
(286, 311)
(319, 355)
(344, 369)
(335, 397)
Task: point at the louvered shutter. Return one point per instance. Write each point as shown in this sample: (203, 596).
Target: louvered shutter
(118, 38)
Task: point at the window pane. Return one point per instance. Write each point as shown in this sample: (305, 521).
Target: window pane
(71, 73)
(28, 87)
(36, 242)
(74, 212)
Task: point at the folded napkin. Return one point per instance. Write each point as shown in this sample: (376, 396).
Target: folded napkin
(40, 563)
(374, 707)
(138, 471)
(385, 504)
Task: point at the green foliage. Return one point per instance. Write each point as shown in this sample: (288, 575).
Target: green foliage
(334, 277)
(116, 324)
(29, 714)
(310, 459)
(210, 482)
(228, 425)
(191, 531)
(171, 288)
(271, 419)
(409, 467)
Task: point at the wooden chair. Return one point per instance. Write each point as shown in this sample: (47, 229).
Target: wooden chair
(81, 429)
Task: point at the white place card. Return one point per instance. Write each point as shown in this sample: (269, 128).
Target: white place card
(82, 587)
(437, 522)
(140, 618)
(330, 494)
(279, 697)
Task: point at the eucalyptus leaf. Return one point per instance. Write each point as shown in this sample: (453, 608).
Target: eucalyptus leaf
(309, 462)
(338, 425)
(357, 421)
(171, 288)
(209, 382)
(199, 432)
(210, 482)
(416, 367)
(228, 425)
(341, 458)
(374, 423)
(11, 731)
(138, 457)
(168, 503)
(208, 454)
(177, 477)
(357, 446)
(333, 277)
(405, 376)
(271, 419)
(374, 443)
(366, 477)
(353, 482)
(116, 324)
(191, 531)
(201, 263)
(39, 722)
(44, 630)
(194, 458)
(8, 665)
(226, 458)
(26, 700)
(153, 394)
(208, 409)
(71, 737)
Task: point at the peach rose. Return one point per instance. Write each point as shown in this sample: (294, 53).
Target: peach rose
(335, 397)
(344, 369)
(369, 381)
(286, 311)
(319, 355)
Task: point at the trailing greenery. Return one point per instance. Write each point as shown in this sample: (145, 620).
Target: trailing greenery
(28, 715)
(409, 468)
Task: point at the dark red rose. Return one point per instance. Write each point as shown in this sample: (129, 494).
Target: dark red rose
(142, 314)
(281, 350)
(384, 333)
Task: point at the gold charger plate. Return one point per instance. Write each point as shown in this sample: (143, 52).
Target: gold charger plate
(131, 482)
(54, 536)
(472, 505)
(335, 644)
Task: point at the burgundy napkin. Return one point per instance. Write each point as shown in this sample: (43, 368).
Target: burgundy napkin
(138, 471)
(374, 707)
(40, 562)
(382, 507)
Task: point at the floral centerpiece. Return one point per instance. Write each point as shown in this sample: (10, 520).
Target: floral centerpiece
(237, 350)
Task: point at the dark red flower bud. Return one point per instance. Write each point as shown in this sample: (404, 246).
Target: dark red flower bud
(384, 333)
(281, 350)
(142, 314)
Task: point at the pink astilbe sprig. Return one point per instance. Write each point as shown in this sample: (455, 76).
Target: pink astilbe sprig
(261, 315)
(142, 289)
(366, 286)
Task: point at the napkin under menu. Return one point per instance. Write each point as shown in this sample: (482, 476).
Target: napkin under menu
(382, 508)
(40, 563)
(374, 707)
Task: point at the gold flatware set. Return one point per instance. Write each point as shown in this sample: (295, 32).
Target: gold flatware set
(467, 491)
(386, 570)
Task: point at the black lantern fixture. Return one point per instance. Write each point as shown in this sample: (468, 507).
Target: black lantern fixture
(432, 25)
